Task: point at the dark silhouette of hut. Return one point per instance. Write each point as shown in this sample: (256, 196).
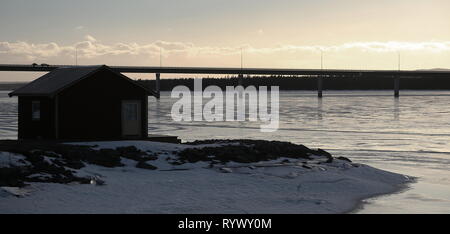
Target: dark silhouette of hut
(85, 102)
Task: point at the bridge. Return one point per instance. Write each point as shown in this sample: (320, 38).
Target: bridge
(320, 73)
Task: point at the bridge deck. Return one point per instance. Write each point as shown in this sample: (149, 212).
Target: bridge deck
(236, 71)
(395, 74)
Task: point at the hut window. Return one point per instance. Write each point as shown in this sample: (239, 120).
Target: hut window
(131, 111)
(36, 110)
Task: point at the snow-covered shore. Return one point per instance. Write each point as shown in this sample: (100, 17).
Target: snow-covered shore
(277, 186)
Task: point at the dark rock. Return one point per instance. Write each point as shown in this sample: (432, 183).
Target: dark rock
(50, 154)
(131, 152)
(322, 152)
(74, 164)
(150, 158)
(344, 158)
(34, 158)
(11, 177)
(105, 157)
(110, 153)
(145, 165)
(245, 151)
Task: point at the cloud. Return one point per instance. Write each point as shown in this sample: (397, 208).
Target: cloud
(393, 46)
(80, 27)
(31, 51)
(92, 48)
(373, 47)
(90, 38)
(174, 46)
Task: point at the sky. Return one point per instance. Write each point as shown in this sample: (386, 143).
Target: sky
(351, 34)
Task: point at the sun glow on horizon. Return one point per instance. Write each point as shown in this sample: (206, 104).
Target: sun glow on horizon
(276, 34)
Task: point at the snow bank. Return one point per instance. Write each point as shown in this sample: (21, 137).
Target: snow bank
(279, 186)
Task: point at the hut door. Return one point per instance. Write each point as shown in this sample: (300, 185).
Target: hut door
(131, 118)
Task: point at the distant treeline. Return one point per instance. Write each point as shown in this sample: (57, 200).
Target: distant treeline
(310, 83)
(296, 83)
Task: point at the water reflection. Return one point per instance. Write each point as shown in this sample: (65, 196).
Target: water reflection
(370, 127)
(396, 109)
(319, 109)
(158, 109)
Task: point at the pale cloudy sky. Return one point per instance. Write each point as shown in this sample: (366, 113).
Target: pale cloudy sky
(353, 34)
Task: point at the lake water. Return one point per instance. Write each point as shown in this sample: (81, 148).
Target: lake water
(409, 135)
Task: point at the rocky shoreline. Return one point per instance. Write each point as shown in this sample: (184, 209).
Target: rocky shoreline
(56, 163)
(248, 151)
(214, 176)
(51, 162)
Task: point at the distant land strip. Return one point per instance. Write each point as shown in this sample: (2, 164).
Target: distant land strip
(310, 83)
(293, 83)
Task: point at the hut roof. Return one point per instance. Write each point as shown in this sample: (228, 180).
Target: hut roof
(59, 79)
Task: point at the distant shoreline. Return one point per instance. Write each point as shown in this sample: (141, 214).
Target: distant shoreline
(309, 83)
(291, 83)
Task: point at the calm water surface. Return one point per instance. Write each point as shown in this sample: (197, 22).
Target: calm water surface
(410, 135)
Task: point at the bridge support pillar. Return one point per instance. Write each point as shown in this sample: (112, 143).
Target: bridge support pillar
(397, 86)
(319, 87)
(157, 85)
(240, 79)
